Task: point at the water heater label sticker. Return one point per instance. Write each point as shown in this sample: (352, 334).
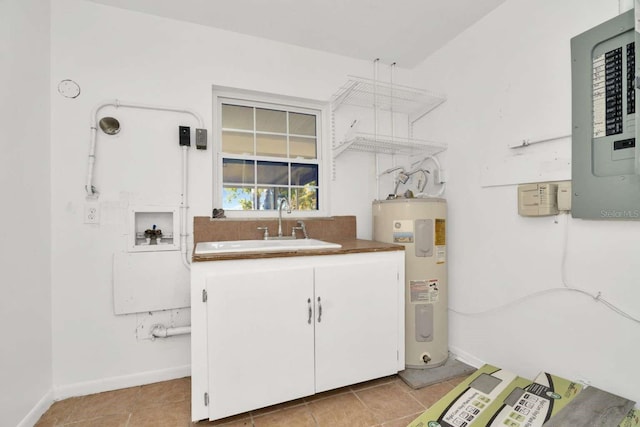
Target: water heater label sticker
(441, 235)
(402, 231)
(441, 254)
(425, 290)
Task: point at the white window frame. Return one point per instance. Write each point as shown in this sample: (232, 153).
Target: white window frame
(236, 96)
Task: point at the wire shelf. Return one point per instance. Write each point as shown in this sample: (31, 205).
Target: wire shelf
(381, 144)
(369, 93)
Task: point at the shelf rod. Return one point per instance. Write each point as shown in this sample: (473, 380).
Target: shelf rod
(528, 142)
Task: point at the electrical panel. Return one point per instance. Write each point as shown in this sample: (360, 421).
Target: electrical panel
(604, 179)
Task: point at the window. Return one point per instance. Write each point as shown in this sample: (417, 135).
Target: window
(268, 151)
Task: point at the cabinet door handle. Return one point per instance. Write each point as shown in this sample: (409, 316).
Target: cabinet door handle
(319, 310)
(310, 311)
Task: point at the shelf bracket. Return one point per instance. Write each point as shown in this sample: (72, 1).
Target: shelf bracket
(337, 151)
(339, 100)
(420, 114)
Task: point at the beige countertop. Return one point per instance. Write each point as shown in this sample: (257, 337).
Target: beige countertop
(349, 246)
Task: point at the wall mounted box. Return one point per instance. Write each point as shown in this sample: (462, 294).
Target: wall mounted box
(146, 277)
(564, 196)
(185, 136)
(201, 139)
(604, 179)
(143, 218)
(539, 199)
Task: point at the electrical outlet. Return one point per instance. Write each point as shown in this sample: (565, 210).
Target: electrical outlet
(91, 213)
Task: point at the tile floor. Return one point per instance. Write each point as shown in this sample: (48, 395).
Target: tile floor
(386, 402)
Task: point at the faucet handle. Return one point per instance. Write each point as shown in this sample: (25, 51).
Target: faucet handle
(266, 232)
(303, 228)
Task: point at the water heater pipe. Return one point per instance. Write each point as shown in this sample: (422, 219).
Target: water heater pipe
(439, 169)
(161, 331)
(90, 189)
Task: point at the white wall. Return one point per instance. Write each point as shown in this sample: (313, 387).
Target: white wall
(134, 57)
(25, 248)
(507, 79)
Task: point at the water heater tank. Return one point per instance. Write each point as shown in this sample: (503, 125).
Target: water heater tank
(420, 225)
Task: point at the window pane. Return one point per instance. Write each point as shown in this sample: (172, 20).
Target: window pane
(304, 199)
(237, 198)
(276, 173)
(237, 117)
(302, 124)
(237, 142)
(271, 120)
(302, 147)
(268, 197)
(238, 171)
(271, 145)
(304, 174)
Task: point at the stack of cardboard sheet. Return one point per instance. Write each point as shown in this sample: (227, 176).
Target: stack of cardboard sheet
(493, 397)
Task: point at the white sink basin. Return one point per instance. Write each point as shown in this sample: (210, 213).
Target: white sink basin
(239, 246)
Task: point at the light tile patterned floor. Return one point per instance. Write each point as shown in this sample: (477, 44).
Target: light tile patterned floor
(386, 402)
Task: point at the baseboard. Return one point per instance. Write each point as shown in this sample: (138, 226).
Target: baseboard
(465, 357)
(115, 383)
(36, 412)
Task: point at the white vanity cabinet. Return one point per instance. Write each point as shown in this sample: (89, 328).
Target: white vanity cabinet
(260, 338)
(266, 331)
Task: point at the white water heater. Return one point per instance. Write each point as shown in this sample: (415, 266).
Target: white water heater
(420, 225)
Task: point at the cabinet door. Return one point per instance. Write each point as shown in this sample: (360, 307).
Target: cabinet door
(260, 341)
(357, 332)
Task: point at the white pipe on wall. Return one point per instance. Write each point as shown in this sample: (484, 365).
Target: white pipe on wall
(161, 331)
(122, 104)
(89, 188)
(184, 197)
(376, 62)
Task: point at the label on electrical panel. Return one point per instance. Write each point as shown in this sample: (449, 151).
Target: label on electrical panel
(607, 78)
(599, 97)
(402, 231)
(425, 290)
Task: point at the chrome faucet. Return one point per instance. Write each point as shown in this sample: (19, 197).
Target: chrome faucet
(282, 202)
